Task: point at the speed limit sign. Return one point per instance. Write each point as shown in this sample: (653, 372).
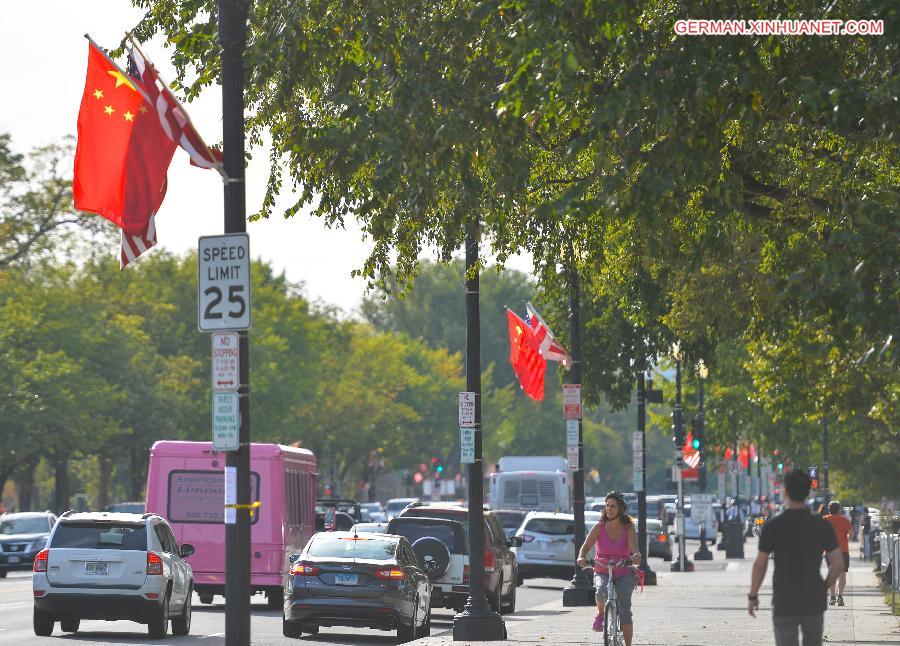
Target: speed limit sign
(224, 285)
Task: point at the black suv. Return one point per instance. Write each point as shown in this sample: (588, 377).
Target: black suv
(22, 536)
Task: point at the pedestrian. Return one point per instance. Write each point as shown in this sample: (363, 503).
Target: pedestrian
(866, 528)
(615, 539)
(797, 538)
(842, 529)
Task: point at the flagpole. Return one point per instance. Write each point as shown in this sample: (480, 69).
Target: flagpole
(128, 35)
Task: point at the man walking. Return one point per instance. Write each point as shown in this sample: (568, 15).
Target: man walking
(798, 538)
(842, 529)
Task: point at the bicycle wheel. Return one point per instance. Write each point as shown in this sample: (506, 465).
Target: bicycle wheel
(611, 630)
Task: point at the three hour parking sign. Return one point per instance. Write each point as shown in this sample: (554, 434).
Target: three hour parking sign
(224, 285)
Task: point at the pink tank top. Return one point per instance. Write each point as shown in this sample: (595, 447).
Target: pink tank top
(608, 549)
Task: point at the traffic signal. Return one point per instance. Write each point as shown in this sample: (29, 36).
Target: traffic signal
(677, 429)
(437, 465)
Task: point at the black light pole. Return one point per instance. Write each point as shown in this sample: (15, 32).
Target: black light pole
(644, 396)
(580, 591)
(682, 563)
(825, 463)
(232, 16)
(703, 553)
(477, 622)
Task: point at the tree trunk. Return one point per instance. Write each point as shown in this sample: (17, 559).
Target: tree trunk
(24, 480)
(62, 497)
(138, 475)
(103, 469)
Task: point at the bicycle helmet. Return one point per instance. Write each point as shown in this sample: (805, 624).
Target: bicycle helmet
(620, 498)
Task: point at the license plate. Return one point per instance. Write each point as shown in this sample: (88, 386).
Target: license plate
(96, 568)
(346, 579)
(13, 559)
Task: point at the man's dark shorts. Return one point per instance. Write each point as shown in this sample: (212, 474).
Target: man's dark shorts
(787, 630)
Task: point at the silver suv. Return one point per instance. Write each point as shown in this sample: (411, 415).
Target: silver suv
(103, 565)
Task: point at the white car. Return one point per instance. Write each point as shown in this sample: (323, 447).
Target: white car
(547, 546)
(104, 565)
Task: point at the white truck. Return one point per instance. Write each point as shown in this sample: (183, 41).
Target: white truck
(539, 483)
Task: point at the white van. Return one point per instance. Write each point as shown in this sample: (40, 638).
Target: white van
(531, 490)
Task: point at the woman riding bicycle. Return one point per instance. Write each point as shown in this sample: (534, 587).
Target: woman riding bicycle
(615, 539)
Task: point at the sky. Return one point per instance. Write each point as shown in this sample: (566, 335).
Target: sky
(45, 59)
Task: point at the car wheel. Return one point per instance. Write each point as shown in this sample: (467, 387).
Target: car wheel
(158, 625)
(520, 580)
(182, 625)
(2, 574)
(70, 624)
(495, 598)
(311, 629)
(43, 624)
(290, 629)
(206, 598)
(275, 598)
(668, 557)
(408, 633)
(510, 606)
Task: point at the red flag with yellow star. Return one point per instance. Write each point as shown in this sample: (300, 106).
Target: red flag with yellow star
(122, 154)
(525, 357)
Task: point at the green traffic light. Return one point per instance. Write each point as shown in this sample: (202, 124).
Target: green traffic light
(440, 468)
(695, 443)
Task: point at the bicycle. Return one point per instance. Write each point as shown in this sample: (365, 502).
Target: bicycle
(612, 625)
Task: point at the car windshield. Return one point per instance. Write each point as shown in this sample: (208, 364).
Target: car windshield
(352, 547)
(550, 526)
(413, 530)
(510, 519)
(654, 527)
(24, 525)
(101, 536)
(397, 505)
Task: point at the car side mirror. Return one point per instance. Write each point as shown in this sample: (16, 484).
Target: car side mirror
(293, 558)
(186, 550)
(515, 541)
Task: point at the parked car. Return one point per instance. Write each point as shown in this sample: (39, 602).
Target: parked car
(692, 527)
(376, 512)
(659, 543)
(347, 579)
(22, 536)
(547, 546)
(101, 565)
(395, 505)
(500, 567)
(136, 507)
(442, 547)
(511, 520)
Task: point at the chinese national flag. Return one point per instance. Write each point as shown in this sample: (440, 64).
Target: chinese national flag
(122, 154)
(525, 357)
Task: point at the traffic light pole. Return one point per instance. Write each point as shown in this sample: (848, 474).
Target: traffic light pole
(232, 17)
(682, 564)
(703, 553)
(580, 591)
(477, 622)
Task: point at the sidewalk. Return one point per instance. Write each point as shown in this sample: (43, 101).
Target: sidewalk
(708, 607)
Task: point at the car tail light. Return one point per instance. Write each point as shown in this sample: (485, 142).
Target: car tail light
(663, 538)
(489, 561)
(527, 538)
(154, 564)
(304, 569)
(391, 574)
(40, 561)
(465, 574)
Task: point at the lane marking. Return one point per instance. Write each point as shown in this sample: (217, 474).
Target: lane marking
(732, 567)
(17, 603)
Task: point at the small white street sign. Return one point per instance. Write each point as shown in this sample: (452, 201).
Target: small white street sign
(702, 508)
(230, 495)
(226, 367)
(467, 410)
(571, 432)
(638, 480)
(226, 422)
(224, 287)
(466, 445)
(572, 458)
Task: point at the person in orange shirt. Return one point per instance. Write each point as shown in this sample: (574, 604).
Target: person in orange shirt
(842, 529)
